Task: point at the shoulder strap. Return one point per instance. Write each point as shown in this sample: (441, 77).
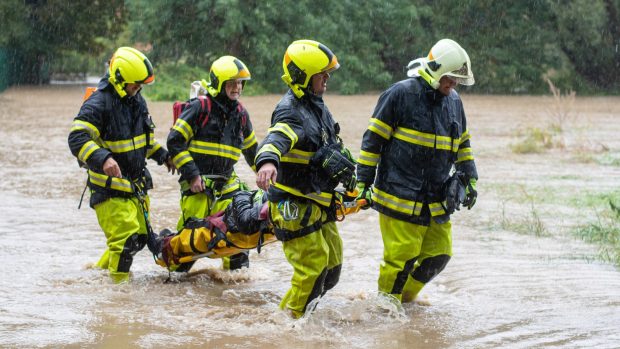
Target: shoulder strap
(241, 111)
(204, 116)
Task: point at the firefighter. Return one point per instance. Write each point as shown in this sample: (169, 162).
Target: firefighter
(300, 162)
(416, 138)
(206, 142)
(112, 136)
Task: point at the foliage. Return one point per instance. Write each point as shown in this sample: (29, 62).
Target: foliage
(529, 224)
(507, 44)
(514, 46)
(44, 32)
(588, 32)
(533, 140)
(172, 82)
(562, 109)
(605, 233)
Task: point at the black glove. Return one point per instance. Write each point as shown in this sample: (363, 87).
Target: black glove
(336, 165)
(455, 193)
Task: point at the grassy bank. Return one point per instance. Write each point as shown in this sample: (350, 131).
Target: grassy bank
(604, 230)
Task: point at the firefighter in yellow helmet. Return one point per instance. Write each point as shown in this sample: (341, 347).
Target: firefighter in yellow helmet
(207, 140)
(416, 166)
(300, 162)
(112, 136)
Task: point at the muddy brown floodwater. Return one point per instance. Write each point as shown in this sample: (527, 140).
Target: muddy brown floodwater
(505, 287)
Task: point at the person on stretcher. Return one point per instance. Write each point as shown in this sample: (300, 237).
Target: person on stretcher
(244, 225)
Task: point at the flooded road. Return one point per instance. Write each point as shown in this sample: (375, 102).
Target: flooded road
(503, 287)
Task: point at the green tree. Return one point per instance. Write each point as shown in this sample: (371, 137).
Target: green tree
(589, 35)
(42, 32)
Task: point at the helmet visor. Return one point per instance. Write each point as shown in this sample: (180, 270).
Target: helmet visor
(150, 77)
(462, 80)
(463, 75)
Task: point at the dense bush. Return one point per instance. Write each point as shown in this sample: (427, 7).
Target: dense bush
(514, 46)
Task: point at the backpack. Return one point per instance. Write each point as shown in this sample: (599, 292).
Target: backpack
(179, 107)
(205, 101)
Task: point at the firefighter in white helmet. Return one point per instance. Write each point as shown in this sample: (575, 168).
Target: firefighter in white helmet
(416, 166)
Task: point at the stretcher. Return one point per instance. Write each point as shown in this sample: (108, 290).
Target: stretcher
(243, 226)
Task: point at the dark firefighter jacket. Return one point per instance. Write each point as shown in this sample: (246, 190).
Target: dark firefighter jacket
(212, 149)
(299, 127)
(108, 126)
(413, 140)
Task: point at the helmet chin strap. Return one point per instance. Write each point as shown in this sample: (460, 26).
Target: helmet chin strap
(296, 89)
(120, 89)
(428, 78)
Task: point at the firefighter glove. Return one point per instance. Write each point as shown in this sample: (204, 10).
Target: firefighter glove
(335, 165)
(470, 194)
(364, 192)
(455, 193)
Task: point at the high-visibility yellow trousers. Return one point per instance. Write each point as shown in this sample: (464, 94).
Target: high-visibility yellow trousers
(412, 255)
(122, 221)
(312, 246)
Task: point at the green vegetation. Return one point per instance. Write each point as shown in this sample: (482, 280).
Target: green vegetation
(604, 232)
(172, 82)
(537, 140)
(529, 224)
(609, 159)
(523, 223)
(49, 37)
(570, 42)
(595, 201)
(533, 140)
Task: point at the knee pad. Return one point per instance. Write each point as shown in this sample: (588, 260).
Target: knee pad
(430, 268)
(317, 289)
(331, 279)
(133, 245)
(401, 277)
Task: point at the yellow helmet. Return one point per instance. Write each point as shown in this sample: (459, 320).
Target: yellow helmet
(446, 58)
(129, 66)
(223, 69)
(302, 60)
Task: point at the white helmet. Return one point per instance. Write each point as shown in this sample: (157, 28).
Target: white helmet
(446, 58)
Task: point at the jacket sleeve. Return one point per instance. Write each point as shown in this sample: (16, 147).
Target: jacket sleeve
(249, 142)
(285, 131)
(465, 157)
(179, 137)
(155, 151)
(85, 139)
(377, 135)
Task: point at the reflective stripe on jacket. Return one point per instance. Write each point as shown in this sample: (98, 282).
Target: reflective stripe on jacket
(212, 149)
(108, 126)
(413, 139)
(299, 127)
